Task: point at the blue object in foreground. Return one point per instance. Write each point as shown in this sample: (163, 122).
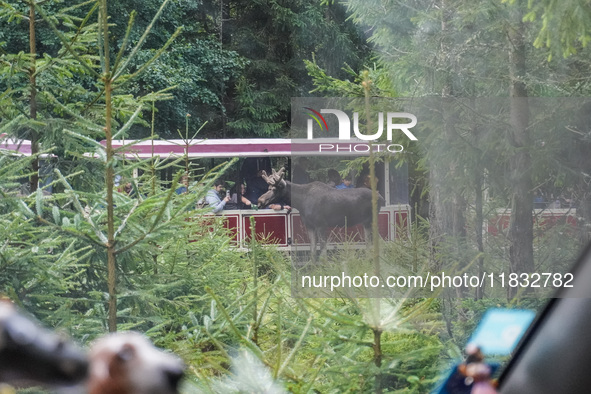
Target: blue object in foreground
(500, 330)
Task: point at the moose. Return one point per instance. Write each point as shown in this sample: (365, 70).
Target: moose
(321, 206)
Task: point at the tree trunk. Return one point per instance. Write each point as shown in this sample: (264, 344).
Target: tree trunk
(581, 164)
(446, 203)
(34, 181)
(478, 224)
(109, 176)
(377, 358)
(521, 224)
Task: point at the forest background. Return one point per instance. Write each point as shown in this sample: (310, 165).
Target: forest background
(88, 259)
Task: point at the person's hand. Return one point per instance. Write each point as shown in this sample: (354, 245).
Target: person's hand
(246, 201)
(227, 198)
(279, 207)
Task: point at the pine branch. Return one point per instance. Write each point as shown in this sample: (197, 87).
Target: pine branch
(89, 125)
(124, 223)
(296, 346)
(69, 231)
(255, 349)
(156, 56)
(117, 73)
(78, 207)
(129, 123)
(65, 42)
(154, 225)
(75, 37)
(125, 40)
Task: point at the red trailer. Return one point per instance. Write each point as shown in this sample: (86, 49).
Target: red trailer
(283, 228)
(543, 219)
(21, 147)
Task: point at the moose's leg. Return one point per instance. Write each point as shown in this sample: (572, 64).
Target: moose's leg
(321, 237)
(367, 235)
(313, 241)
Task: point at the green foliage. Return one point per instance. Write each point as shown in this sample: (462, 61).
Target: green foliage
(235, 66)
(333, 87)
(275, 36)
(258, 111)
(192, 293)
(460, 48)
(565, 25)
(306, 344)
(179, 278)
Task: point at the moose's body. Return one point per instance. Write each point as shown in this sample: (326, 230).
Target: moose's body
(322, 206)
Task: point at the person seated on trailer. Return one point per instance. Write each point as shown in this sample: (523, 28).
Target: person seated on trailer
(346, 184)
(183, 186)
(300, 173)
(252, 171)
(239, 200)
(213, 198)
(122, 185)
(256, 187)
(128, 189)
(365, 181)
(334, 178)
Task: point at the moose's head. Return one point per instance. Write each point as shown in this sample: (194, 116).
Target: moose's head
(276, 190)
